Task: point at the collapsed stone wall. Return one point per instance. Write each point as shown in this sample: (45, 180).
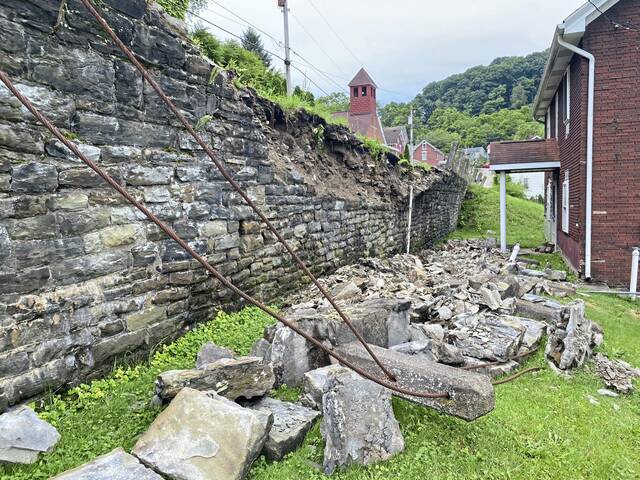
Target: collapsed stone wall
(84, 278)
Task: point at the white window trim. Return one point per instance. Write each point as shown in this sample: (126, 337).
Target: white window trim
(565, 202)
(424, 152)
(548, 120)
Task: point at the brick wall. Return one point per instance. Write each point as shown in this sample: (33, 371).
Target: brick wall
(434, 156)
(84, 278)
(359, 105)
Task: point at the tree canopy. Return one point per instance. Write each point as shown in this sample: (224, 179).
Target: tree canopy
(252, 41)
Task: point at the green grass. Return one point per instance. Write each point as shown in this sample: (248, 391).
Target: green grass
(543, 426)
(481, 214)
(553, 261)
(96, 418)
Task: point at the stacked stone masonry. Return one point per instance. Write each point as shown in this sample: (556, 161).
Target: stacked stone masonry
(85, 278)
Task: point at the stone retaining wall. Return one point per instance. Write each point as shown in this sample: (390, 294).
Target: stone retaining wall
(84, 278)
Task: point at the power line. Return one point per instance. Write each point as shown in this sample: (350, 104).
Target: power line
(278, 42)
(228, 32)
(344, 44)
(313, 39)
(628, 25)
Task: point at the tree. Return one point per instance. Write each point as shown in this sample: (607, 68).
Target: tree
(335, 102)
(303, 95)
(252, 41)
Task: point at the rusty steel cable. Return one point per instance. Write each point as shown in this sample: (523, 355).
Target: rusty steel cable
(517, 375)
(207, 266)
(201, 260)
(232, 182)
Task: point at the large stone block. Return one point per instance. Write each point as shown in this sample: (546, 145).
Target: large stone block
(358, 424)
(23, 436)
(471, 394)
(246, 377)
(34, 178)
(202, 436)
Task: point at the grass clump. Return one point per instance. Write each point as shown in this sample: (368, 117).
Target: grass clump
(95, 418)
(480, 214)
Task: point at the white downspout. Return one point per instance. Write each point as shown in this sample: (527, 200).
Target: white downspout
(409, 221)
(590, 113)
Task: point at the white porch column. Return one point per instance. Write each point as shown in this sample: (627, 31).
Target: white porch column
(503, 212)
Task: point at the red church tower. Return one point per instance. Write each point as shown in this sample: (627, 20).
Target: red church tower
(363, 115)
(363, 94)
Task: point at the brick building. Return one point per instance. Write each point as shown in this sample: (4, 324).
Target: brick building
(362, 116)
(589, 100)
(426, 153)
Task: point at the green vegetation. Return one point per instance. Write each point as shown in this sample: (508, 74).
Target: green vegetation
(179, 8)
(95, 418)
(507, 82)
(481, 214)
(252, 42)
(376, 149)
(482, 105)
(553, 261)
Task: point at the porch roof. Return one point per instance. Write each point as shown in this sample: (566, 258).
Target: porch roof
(524, 156)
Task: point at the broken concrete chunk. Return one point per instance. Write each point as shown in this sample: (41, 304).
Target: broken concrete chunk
(117, 465)
(246, 377)
(572, 339)
(472, 394)
(487, 337)
(290, 425)
(24, 436)
(616, 374)
(202, 436)
(210, 352)
(358, 423)
(315, 385)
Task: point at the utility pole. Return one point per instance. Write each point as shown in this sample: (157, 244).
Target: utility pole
(411, 137)
(287, 49)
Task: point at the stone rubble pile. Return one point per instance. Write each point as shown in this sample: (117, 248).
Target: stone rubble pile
(431, 320)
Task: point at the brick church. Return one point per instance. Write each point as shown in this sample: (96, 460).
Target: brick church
(362, 116)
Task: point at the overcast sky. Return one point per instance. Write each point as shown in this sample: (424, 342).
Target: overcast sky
(403, 44)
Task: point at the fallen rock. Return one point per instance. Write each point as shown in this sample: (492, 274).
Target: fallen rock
(472, 394)
(24, 436)
(117, 465)
(616, 374)
(487, 337)
(210, 353)
(490, 298)
(261, 349)
(572, 339)
(202, 436)
(492, 371)
(432, 351)
(246, 377)
(426, 331)
(315, 384)
(290, 425)
(544, 310)
(358, 423)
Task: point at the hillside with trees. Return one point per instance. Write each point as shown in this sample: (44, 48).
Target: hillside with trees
(486, 103)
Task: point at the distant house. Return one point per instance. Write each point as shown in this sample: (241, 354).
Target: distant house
(396, 138)
(589, 99)
(426, 153)
(362, 116)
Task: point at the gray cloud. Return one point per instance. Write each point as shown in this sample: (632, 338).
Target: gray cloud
(404, 44)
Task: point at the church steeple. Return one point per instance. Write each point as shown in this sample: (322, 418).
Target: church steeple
(362, 94)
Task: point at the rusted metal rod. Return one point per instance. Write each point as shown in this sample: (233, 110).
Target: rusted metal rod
(201, 260)
(229, 178)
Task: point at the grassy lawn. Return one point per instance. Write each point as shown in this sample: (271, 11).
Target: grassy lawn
(480, 214)
(543, 426)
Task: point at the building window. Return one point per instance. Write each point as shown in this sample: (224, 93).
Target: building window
(355, 91)
(565, 202)
(373, 92)
(424, 153)
(364, 91)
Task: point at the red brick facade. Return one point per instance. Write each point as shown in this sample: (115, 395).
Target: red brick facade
(426, 153)
(616, 157)
(364, 101)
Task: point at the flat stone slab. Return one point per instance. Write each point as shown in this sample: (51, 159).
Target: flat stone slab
(117, 465)
(24, 436)
(471, 394)
(231, 378)
(291, 423)
(203, 436)
(210, 353)
(314, 386)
